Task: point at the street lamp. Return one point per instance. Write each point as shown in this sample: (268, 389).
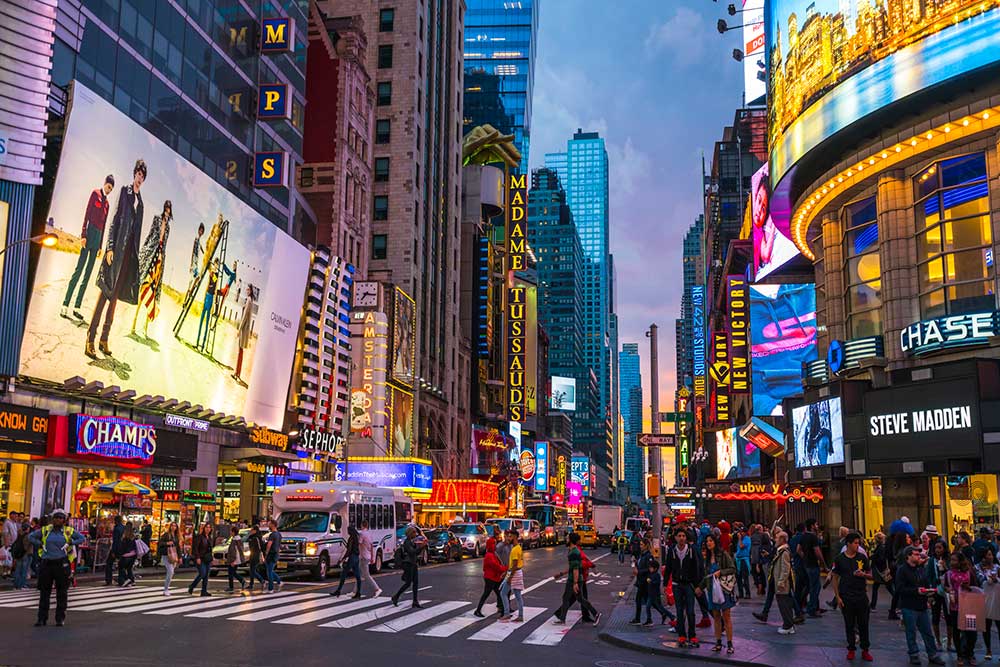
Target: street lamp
(48, 239)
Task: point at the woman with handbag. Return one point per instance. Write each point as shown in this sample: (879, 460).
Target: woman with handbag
(989, 576)
(881, 572)
(937, 568)
(169, 549)
(126, 554)
(719, 586)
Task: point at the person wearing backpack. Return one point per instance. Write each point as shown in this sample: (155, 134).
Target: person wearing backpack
(20, 551)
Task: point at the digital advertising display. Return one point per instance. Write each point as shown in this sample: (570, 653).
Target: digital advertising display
(542, 466)
(772, 237)
(563, 394)
(818, 432)
(698, 341)
(401, 421)
(408, 476)
(735, 456)
(404, 331)
(738, 298)
(579, 471)
(754, 71)
(161, 281)
(782, 338)
(833, 62)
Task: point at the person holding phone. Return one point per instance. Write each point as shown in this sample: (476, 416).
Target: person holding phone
(914, 592)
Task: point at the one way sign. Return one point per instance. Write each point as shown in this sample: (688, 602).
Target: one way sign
(655, 440)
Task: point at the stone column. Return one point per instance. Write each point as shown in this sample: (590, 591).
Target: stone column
(833, 280)
(898, 255)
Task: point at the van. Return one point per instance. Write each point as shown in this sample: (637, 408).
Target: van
(529, 531)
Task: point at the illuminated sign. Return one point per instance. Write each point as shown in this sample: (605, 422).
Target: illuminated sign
(770, 491)
(719, 372)
(698, 340)
(305, 498)
(579, 471)
(368, 391)
(415, 477)
(264, 469)
(22, 429)
(181, 421)
(783, 332)
(273, 101)
(270, 169)
(489, 438)
(574, 493)
(739, 330)
(114, 438)
(277, 35)
(467, 493)
(754, 72)
(542, 466)
(561, 472)
(947, 332)
(197, 497)
(527, 465)
(516, 299)
(404, 335)
(563, 395)
(317, 441)
(268, 438)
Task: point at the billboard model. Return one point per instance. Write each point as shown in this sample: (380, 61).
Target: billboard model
(782, 338)
(735, 456)
(818, 432)
(833, 62)
(171, 285)
(772, 236)
(563, 394)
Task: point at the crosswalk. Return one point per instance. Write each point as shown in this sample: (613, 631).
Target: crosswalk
(436, 618)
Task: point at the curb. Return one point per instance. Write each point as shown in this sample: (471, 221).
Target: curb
(620, 642)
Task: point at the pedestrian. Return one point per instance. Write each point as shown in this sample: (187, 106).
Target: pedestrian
(881, 572)
(780, 581)
(349, 563)
(936, 568)
(256, 543)
(574, 583)
(764, 557)
(408, 554)
(683, 568)
(812, 562)
(897, 546)
(116, 538)
(126, 555)
(989, 575)
(743, 565)
(168, 548)
(586, 565)
(960, 577)
(514, 581)
(366, 555)
(622, 545)
(719, 584)
(493, 575)
(234, 559)
(911, 582)
(272, 549)
(851, 569)
(201, 552)
(640, 571)
(146, 535)
(653, 585)
(21, 552)
(983, 544)
(963, 543)
(54, 545)
(8, 536)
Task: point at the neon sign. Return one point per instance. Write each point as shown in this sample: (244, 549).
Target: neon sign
(115, 438)
(516, 295)
(945, 332)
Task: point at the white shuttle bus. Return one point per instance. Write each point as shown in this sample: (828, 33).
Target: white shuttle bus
(313, 520)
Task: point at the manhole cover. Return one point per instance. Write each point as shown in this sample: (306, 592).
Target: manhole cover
(616, 663)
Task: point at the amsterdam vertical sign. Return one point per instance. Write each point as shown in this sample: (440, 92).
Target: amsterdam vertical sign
(516, 297)
(739, 327)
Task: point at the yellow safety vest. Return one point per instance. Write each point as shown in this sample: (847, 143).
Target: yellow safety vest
(67, 533)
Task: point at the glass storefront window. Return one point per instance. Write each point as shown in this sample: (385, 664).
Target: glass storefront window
(863, 268)
(13, 488)
(871, 511)
(972, 502)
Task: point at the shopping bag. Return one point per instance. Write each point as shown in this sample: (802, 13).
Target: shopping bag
(718, 596)
(972, 610)
(141, 548)
(6, 560)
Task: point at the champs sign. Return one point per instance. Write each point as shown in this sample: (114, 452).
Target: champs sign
(739, 322)
(516, 235)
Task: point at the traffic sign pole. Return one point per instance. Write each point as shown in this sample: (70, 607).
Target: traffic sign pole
(654, 391)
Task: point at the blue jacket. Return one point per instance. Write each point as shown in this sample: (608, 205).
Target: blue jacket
(55, 544)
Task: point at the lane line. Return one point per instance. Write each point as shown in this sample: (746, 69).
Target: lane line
(369, 616)
(336, 610)
(419, 616)
(550, 634)
(322, 601)
(497, 631)
(538, 585)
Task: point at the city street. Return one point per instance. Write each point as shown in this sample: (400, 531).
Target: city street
(303, 623)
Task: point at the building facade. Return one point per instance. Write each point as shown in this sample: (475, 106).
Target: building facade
(693, 269)
(633, 456)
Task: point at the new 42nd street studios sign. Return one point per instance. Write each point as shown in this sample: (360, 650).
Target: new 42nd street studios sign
(655, 439)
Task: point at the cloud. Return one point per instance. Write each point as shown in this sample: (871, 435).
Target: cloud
(683, 37)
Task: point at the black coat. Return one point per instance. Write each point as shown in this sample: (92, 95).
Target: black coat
(123, 240)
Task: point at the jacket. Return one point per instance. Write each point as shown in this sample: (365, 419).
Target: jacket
(234, 554)
(123, 243)
(687, 571)
(55, 543)
(642, 569)
(126, 548)
(726, 567)
(411, 552)
(493, 569)
(201, 547)
(165, 542)
(96, 215)
(781, 570)
(256, 543)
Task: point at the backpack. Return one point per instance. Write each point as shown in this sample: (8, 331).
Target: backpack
(20, 548)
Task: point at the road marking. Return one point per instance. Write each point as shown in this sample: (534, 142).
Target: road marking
(324, 600)
(499, 631)
(550, 634)
(418, 617)
(335, 610)
(270, 600)
(100, 605)
(165, 603)
(538, 585)
(368, 616)
(199, 604)
(32, 598)
(453, 625)
(424, 588)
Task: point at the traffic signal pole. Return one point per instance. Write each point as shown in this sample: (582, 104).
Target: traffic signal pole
(654, 452)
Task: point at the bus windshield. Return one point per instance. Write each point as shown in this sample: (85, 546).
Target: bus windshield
(504, 524)
(304, 522)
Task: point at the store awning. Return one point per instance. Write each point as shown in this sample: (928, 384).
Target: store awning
(230, 455)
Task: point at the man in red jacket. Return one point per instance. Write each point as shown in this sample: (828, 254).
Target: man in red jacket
(92, 235)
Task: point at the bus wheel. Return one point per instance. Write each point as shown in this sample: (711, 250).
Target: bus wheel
(320, 571)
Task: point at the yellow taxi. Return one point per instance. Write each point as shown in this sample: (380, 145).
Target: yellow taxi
(587, 533)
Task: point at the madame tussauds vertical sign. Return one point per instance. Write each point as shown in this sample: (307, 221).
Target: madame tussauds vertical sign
(516, 194)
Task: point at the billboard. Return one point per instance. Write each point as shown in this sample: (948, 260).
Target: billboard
(754, 71)
(833, 62)
(772, 236)
(818, 432)
(171, 286)
(369, 356)
(698, 338)
(404, 332)
(579, 471)
(739, 340)
(735, 456)
(516, 319)
(563, 394)
(401, 421)
(719, 373)
(413, 476)
(782, 338)
(542, 466)
(531, 351)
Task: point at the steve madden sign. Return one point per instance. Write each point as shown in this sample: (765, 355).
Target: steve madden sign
(952, 331)
(921, 421)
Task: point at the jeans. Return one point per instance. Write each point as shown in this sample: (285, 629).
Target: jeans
(914, 621)
(272, 576)
(125, 565)
(256, 574)
(109, 569)
(743, 577)
(684, 601)
(84, 266)
(814, 583)
(206, 313)
(366, 575)
(490, 587)
(202, 577)
(569, 597)
(347, 569)
(641, 594)
(621, 556)
(856, 614)
(786, 606)
(169, 568)
(53, 572)
(768, 599)
(505, 591)
(653, 602)
(233, 574)
(21, 568)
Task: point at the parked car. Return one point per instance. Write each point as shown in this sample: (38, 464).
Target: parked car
(473, 537)
(587, 533)
(443, 545)
(421, 540)
(529, 531)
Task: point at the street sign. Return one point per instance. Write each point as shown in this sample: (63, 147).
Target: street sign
(675, 416)
(655, 439)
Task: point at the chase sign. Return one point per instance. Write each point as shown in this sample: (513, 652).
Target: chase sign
(946, 332)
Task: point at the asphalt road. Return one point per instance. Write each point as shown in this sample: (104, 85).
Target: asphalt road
(303, 625)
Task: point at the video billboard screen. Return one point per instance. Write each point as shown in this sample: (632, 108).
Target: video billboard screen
(782, 338)
(754, 72)
(563, 394)
(772, 237)
(401, 421)
(164, 283)
(818, 432)
(735, 456)
(832, 62)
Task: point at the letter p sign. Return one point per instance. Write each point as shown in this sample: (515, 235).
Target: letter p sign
(273, 102)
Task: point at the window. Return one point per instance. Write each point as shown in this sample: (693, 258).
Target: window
(382, 127)
(386, 17)
(864, 269)
(381, 169)
(385, 56)
(381, 207)
(954, 237)
(379, 246)
(384, 93)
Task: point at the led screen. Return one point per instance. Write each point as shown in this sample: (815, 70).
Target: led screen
(832, 62)
(772, 237)
(563, 393)
(735, 456)
(200, 303)
(782, 338)
(754, 73)
(818, 432)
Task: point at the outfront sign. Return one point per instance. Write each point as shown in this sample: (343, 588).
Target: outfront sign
(180, 421)
(952, 331)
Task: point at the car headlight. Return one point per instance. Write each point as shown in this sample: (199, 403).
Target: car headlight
(311, 548)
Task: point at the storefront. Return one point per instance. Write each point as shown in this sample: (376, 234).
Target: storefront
(249, 473)
(23, 437)
(459, 499)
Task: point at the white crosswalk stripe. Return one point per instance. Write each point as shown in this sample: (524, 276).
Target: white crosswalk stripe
(418, 617)
(365, 617)
(550, 634)
(452, 625)
(336, 610)
(236, 604)
(88, 604)
(31, 599)
(499, 631)
(322, 601)
(272, 600)
(144, 604)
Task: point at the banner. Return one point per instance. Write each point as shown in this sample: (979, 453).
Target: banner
(739, 329)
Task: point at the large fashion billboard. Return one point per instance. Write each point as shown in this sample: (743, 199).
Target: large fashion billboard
(833, 62)
(161, 281)
(772, 236)
(782, 338)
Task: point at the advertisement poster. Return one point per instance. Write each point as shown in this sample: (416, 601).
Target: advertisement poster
(735, 456)
(772, 237)
(404, 323)
(162, 281)
(754, 73)
(563, 394)
(580, 472)
(739, 338)
(818, 433)
(542, 467)
(401, 422)
(54, 490)
(782, 338)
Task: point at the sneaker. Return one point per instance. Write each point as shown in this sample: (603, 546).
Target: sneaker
(519, 619)
(597, 619)
(648, 622)
(504, 619)
(762, 617)
(681, 643)
(934, 660)
(635, 621)
(705, 622)
(129, 584)
(850, 654)
(799, 620)
(693, 642)
(867, 657)
(206, 594)
(786, 631)
(166, 593)
(378, 592)
(559, 621)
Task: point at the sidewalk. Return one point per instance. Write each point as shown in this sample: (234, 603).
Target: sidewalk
(817, 642)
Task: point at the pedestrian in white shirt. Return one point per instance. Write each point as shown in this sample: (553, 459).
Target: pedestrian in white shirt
(366, 555)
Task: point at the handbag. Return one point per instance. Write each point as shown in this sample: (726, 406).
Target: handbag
(718, 596)
(728, 582)
(141, 548)
(172, 557)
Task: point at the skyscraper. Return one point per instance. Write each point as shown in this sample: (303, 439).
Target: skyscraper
(694, 273)
(500, 67)
(583, 172)
(630, 382)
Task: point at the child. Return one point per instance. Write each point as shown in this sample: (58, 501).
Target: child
(653, 595)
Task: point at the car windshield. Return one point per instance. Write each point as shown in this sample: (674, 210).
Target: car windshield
(505, 524)
(465, 529)
(304, 522)
(437, 535)
(584, 526)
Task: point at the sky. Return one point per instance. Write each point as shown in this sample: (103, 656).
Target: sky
(658, 82)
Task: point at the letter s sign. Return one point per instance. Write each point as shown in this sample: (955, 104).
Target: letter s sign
(270, 169)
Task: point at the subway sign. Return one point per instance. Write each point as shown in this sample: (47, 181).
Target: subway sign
(946, 332)
(516, 298)
(273, 102)
(739, 325)
(698, 341)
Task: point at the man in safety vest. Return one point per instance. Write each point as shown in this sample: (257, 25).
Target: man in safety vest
(55, 544)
